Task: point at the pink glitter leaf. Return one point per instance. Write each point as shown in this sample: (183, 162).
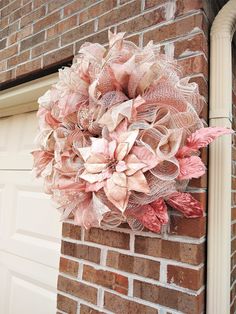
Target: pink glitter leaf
(186, 204)
(191, 167)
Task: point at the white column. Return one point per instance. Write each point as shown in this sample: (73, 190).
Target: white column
(219, 197)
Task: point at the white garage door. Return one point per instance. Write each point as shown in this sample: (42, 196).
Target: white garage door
(29, 225)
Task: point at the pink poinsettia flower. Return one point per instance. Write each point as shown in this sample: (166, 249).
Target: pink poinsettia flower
(113, 166)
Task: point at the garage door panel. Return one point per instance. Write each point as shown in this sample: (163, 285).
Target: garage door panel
(30, 230)
(5, 276)
(27, 230)
(28, 288)
(17, 141)
(26, 297)
(4, 136)
(32, 210)
(1, 206)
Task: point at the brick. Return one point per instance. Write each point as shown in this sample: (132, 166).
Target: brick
(123, 1)
(11, 40)
(10, 8)
(152, 3)
(119, 305)
(81, 251)
(194, 65)
(7, 31)
(96, 10)
(233, 276)
(233, 198)
(135, 265)
(28, 67)
(234, 82)
(45, 47)
(77, 33)
(32, 41)
(100, 38)
(186, 303)
(71, 231)
(3, 65)
(233, 182)
(233, 307)
(233, 153)
(233, 246)
(201, 197)
(24, 32)
(8, 52)
(185, 277)
(4, 22)
(66, 304)
(199, 183)
(62, 27)
(181, 226)
(39, 3)
(190, 45)
(234, 97)
(232, 291)
(107, 279)
(233, 230)
(146, 20)
(186, 6)
(68, 267)
(119, 14)
(233, 213)
(84, 309)
(134, 39)
(53, 5)
(22, 11)
(176, 28)
(3, 43)
(33, 16)
(7, 76)
(107, 237)
(77, 6)
(233, 163)
(77, 289)
(4, 3)
(179, 251)
(16, 60)
(58, 56)
(47, 21)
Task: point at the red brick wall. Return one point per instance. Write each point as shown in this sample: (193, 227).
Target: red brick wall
(37, 34)
(120, 271)
(233, 212)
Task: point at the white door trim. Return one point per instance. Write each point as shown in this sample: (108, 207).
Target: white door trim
(11, 99)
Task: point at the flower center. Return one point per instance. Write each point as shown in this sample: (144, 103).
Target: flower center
(112, 164)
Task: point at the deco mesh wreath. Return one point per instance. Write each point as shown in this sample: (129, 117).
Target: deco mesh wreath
(119, 137)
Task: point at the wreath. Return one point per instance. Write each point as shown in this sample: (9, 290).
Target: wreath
(119, 137)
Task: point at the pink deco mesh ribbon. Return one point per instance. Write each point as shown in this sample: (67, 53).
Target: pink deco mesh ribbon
(119, 137)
